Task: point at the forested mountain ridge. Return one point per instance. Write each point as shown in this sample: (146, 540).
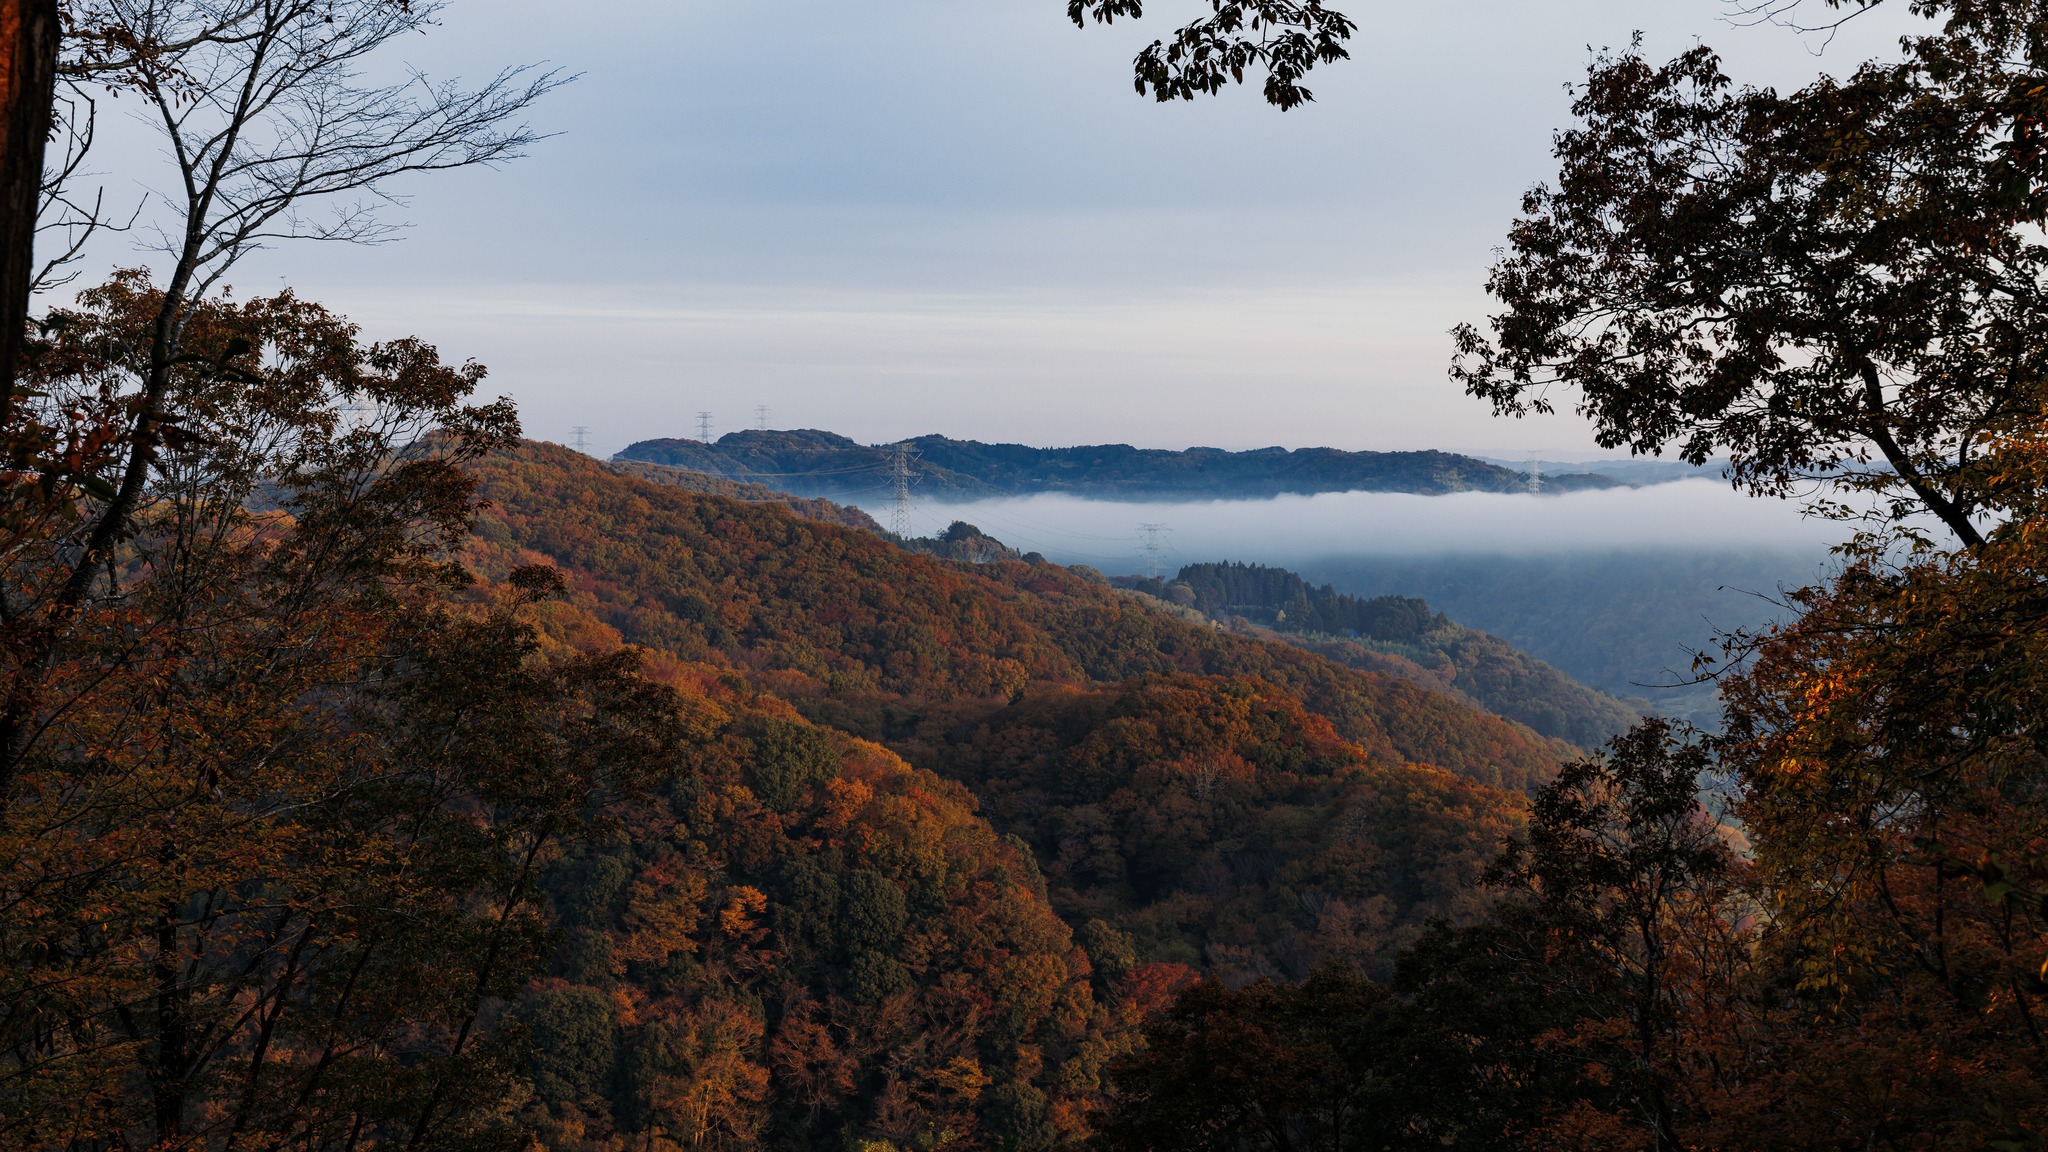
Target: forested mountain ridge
(796, 939)
(800, 937)
(848, 619)
(694, 481)
(1401, 636)
(808, 938)
(811, 462)
(1624, 622)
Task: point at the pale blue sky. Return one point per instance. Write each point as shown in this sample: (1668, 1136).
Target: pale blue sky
(893, 217)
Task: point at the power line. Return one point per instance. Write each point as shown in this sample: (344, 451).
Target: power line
(579, 438)
(1034, 526)
(704, 427)
(856, 469)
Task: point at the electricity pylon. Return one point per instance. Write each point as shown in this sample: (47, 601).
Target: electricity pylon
(899, 494)
(1152, 547)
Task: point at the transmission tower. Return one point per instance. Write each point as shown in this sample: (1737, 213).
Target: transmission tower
(761, 417)
(1152, 547)
(1535, 477)
(704, 427)
(579, 438)
(899, 493)
(358, 414)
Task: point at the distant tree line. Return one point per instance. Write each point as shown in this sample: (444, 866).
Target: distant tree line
(1289, 603)
(1400, 636)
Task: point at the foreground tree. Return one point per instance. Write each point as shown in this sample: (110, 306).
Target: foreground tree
(1891, 744)
(1586, 1009)
(1285, 38)
(269, 863)
(263, 113)
(1843, 287)
(1590, 997)
(1311, 1067)
(1841, 284)
(28, 79)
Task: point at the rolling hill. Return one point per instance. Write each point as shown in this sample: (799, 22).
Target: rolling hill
(948, 830)
(810, 462)
(1400, 636)
(848, 620)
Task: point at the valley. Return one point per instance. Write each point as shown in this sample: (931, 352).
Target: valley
(1631, 740)
(1611, 587)
(954, 812)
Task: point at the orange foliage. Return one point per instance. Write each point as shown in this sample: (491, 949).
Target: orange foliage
(870, 626)
(1192, 799)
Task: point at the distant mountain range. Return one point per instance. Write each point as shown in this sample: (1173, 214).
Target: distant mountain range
(810, 462)
(1635, 473)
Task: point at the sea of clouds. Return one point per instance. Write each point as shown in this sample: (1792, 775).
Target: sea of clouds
(1691, 515)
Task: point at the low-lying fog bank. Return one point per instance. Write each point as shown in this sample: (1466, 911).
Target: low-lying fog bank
(1625, 621)
(1688, 515)
(1618, 587)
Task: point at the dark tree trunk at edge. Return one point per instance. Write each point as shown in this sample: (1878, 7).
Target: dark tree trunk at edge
(28, 72)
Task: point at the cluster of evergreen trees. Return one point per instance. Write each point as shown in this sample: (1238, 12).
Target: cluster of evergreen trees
(1400, 636)
(1284, 600)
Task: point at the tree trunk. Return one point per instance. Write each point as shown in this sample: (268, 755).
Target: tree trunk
(28, 78)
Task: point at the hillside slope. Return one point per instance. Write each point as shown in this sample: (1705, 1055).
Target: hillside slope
(800, 941)
(812, 462)
(804, 938)
(1625, 622)
(1218, 824)
(876, 632)
(808, 508)
(1400, 636)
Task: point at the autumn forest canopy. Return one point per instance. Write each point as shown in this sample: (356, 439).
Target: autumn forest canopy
(374, 777)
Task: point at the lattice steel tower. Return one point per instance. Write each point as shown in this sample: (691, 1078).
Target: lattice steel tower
(1152, 547)
(899, 493)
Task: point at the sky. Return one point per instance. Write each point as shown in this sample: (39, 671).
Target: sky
(896, 217)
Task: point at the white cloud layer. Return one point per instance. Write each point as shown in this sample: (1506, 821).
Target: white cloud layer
(1689, 515)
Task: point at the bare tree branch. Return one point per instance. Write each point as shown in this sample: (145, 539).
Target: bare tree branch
(266, 111)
